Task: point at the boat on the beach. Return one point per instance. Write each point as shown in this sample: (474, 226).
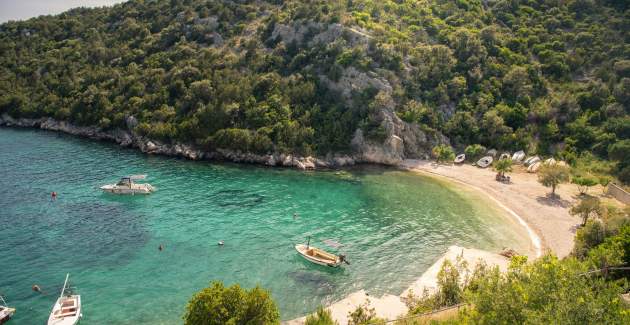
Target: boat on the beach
(319, 256)
(534, 167)
(127, 185)
(485, 161)
(67, 308)
(518, 156)
(531, 160)
(6, 312)
(505, 155)
(460, 158)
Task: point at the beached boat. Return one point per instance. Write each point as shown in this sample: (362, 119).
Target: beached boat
(319, 256)
(126, 185)
(485, 161)
(534, 167)
(5, 311)
(531, 160)
(550, 162)
(505, 155)
(492, 152)
(460, 158)
(67, 308)
(518, 156)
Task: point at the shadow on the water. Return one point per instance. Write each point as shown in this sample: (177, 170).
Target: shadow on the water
(237, 198)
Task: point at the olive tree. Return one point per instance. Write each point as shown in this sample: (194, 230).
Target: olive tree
(552, 176)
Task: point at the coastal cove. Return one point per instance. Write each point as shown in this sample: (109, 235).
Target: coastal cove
(394, 224)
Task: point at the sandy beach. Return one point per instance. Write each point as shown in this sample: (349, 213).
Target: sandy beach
(549, 218)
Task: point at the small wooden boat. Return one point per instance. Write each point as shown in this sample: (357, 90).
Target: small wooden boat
(67, 308)
(531, 160)
(319, 256)
(460, 158)
(5, 311)
(534, 167)
(485, 161)
(505, 155)
(518, 156)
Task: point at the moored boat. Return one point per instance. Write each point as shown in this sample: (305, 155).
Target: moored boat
(320, 256)
(126, 185)
(485, 161)
(6, 312)
(67, 308)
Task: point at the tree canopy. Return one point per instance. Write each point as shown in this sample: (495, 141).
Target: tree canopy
(549, 77)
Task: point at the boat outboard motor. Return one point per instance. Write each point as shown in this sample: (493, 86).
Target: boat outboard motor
(343, 259)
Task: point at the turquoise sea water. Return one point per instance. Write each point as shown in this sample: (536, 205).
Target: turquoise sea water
(394, 225)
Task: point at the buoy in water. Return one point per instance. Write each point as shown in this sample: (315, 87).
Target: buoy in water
(161, 248)
(221, 243)
(36, 288)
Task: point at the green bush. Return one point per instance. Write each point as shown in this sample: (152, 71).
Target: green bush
(219, 305)
(474, 152)
(443, 153)
(321, 317)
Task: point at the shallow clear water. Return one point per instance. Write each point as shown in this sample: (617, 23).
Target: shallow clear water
(394, 225)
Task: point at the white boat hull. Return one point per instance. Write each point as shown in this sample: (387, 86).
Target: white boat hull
(6, 313)
(326, 260)
(66, 311)
(137, 189)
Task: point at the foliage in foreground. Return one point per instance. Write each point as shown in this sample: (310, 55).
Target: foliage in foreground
(545, 291)
(321, 317)
(219, 305)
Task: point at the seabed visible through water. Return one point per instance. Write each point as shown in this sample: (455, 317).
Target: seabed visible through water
(393, 225)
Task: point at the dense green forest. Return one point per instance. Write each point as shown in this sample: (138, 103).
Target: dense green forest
(548, 76)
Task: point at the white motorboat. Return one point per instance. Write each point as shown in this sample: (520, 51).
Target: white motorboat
(67, 308)
(126, 185)
(5, 311)
(485, 161)
(320, 256)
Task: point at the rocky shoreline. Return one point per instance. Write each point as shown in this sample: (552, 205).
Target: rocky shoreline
(127, 138)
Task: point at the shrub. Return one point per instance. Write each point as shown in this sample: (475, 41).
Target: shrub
(474, 152)
(219, 305)
(321, 317)
(443, 153)
(583, 183)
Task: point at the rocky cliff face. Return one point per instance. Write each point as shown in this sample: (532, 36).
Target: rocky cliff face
(403, 140)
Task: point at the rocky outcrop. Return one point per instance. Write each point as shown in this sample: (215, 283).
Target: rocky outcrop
(151, 146)
(314, 33)
(353, 80)
(403, 140)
